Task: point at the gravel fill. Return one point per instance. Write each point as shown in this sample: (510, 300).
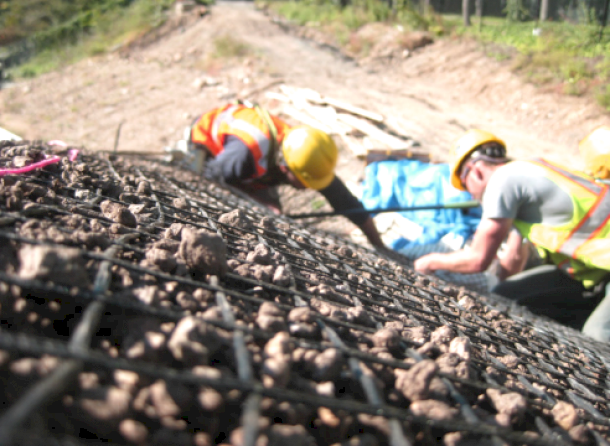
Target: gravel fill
(142, 304)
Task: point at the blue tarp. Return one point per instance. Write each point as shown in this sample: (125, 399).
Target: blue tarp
(407, 183)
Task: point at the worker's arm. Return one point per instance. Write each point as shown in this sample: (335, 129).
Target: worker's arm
(473, 259)
(370, 230)
(233, 165)
(514, 256)
(341, 199)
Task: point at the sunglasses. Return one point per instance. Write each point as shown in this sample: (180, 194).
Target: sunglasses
(464, 173)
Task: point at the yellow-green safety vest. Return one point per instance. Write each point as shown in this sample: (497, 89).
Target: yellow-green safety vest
(580, 247)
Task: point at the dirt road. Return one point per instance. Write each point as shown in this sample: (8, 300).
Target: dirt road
(155, 90)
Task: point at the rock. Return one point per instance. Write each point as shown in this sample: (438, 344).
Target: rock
(61, 265)
(461, 347)
(24, 366)
(327, 365)
(181, 203)
(417, 335)
(118, 213)
(433, 409)
(279, 345)
(133, 431)
(281, 276)
(187, 301)
(451, 364)
(511, 362)
(144, 188)
(361, 316)
(105, 403)
(260, 255)
(278, 360)
(387, 338)
(236, 219)
(510, 403)
(210, 399)
(302, 314)
(192, 341)
(262, 272)
(414, 383)
(203, 252)
(88, 380)
(270, 317)
(442, 335)
(174, 232)
(21, 161)
(162, 259)
(167, 244)
(565, 415)
(169, 399)
(276, 372)
(127, 380)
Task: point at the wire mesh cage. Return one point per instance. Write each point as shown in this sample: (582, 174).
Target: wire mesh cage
(141, 304)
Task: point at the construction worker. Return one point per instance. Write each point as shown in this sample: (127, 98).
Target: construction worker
(564, 213)
(255, 151)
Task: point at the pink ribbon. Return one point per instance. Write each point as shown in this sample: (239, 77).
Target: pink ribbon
(72, 154)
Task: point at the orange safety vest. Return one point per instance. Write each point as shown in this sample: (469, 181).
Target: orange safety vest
(248, 124)
(580, 247)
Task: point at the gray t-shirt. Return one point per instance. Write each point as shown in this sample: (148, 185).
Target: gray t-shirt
(520, 190)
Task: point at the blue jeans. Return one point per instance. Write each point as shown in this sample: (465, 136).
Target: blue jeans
(548, 291)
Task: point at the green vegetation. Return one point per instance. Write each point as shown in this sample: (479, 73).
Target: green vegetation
(352, 16)
(227, 46)
(570, 58)
(55, 33)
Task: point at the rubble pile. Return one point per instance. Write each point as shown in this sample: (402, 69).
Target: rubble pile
(141, 304)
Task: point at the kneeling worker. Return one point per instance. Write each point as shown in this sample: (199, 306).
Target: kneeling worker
(255, 151)
(564, 213)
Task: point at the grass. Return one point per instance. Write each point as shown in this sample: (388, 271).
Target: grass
(566, 57)
(570, 56)
(342, 24)
(227, 46)
(112, 29)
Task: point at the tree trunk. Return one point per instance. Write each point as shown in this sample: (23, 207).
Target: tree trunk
(544, 10)
(478, 7)
(605, 13)
(426, 7)
(466, 12)
(604, 20)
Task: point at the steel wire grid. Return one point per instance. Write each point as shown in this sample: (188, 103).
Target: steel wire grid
(314, 355)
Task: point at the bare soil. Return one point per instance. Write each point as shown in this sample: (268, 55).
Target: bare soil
(153, 88)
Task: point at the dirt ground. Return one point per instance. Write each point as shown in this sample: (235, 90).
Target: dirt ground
(153, 90)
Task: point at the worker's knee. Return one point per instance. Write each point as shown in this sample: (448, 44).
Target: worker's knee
(597, 325)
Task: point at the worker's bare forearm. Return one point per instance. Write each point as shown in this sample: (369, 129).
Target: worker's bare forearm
(473, 259)
(370, 230)
(515, 258)
(464, 261)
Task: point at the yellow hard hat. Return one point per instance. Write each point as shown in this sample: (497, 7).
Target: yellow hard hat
(311, 155)
(595, 150)
(464, 147)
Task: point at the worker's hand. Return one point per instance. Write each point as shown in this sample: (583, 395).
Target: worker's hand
(423, 265)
